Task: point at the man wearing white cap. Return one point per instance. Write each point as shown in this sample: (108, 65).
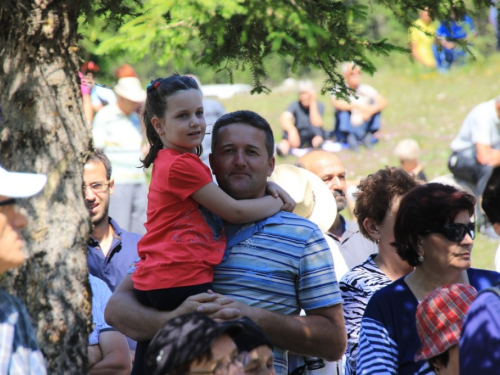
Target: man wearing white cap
(121, 141)
(19, 352)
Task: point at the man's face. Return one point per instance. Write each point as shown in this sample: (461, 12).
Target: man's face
(97, 191)
(353, 76)
(240, 161)
(12, 221)
(332, 172)
(305, 98)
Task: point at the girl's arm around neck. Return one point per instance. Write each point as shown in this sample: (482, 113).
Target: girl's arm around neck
(236, 211)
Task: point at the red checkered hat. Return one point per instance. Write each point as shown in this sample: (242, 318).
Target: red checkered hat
(440, 317)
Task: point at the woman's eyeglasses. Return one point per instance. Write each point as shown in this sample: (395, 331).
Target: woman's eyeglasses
(225, 368)
(455, 231)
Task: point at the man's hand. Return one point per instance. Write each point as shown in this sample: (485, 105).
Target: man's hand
(217, 307)
(277, 191)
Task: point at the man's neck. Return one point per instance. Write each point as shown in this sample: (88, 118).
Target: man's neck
(103, 233)
(338, 227)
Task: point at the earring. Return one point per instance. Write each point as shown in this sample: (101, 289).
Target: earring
(421, 258)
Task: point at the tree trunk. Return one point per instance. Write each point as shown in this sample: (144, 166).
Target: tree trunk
(42, 130)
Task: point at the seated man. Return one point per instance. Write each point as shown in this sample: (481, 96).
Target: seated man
(476, 148)
(19, 351)
(422, 35)
(302, 122)
(108, 349)
(491, 207)
(357, 119)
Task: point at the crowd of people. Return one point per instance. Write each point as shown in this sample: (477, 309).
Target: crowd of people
(229, 264)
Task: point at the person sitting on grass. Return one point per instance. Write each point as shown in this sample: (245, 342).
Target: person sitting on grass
(357, 119)
(302, 122)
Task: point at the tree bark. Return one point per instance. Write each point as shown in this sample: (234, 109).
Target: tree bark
(42, 130)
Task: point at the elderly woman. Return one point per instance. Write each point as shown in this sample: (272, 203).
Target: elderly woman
(433, 233)
(377, 202)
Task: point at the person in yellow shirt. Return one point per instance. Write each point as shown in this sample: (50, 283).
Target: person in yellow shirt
(420, 42)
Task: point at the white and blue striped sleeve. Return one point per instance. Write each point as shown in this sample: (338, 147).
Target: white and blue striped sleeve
(378, 353)
(317, 284)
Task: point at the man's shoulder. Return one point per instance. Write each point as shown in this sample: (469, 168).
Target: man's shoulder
(125, 236)
(8, 304)
(290, 220)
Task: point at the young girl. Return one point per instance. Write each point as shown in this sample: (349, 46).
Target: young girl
(184, 240)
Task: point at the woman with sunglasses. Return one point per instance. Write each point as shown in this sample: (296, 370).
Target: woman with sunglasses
(434, 233)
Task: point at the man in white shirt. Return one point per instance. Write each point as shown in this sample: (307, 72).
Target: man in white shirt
(476, 148)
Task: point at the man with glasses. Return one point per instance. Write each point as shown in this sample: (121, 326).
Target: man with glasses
(111, 250)
(19, 352)
(357, 119)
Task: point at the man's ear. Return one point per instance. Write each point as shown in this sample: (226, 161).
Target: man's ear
(111, 186)
(372, 229)
(271, 164)
(211, 161)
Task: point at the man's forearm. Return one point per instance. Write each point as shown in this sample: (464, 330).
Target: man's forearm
(311, 335)
(127, 315)
(314, 115)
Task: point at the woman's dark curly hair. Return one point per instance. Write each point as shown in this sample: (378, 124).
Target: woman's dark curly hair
(376, 191)
(425, 207)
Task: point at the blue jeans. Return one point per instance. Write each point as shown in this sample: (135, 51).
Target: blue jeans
(445, 57)
(343, 126)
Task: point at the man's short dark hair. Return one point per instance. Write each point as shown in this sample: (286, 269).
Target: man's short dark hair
(99, 157)
(491, 197)
(248, 118)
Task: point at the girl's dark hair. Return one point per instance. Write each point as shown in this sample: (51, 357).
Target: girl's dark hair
(426, 207)
(158, 92)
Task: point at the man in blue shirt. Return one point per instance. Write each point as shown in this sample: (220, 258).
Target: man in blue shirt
(271, 269)
(111, 249)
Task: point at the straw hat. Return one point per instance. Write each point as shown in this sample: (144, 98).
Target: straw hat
(130, 88)
(440, 318)
(314, 200)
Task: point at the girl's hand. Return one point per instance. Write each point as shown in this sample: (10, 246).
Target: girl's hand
(277, 191)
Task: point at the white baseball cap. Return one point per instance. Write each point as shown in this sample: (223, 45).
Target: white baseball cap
(20, 185)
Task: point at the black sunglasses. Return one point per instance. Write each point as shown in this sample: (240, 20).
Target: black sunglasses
(455, 231)
(8, 202)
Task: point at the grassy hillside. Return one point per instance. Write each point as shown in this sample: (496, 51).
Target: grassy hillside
(426, 106)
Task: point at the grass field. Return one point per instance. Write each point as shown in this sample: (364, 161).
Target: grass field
(426, 106)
